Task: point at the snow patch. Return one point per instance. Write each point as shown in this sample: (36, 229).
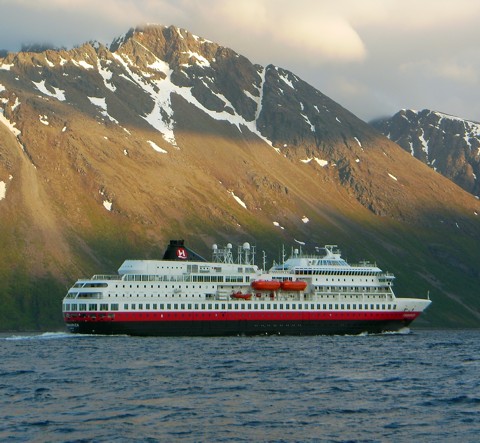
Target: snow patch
(392, 176)
(200, 59)
(107, 205)
(305, 219)
(338, 120)
(275, 223)
(83, 64)
(44, 119)
(2, 88)
(321, 162)
(3, 190)
(5, 67)
(238, 199)
(312, 127)
(286, 80)
(99, 101)
(125, 152)
(9, 124)
(159, 65)
(358, 141)
(107, 77)
(58, 94)
(156, 147)
(102, 104)
(16, 104)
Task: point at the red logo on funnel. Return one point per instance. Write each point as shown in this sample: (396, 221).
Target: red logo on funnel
(182, 253)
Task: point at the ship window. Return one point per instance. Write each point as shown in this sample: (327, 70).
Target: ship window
(154, 306)
(73, 307)
(371, 307)
(281, 306)
(324, 306)
(348, 306)
(114, 307)
(140, 306)
(133, 305)
(236, 305)
(262, 306)
(189, 306)
(169, 306)
(383, 306)
(175, 306)
(293, 306)
(389, 306)
(287, 306)
(243, 306)
(342, 306)
(103, 307)
(378, 306)
(125, 306)
(92, 307)
(223, 305)
(336, 306)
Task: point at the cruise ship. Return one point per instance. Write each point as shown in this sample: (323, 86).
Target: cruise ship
(185, 295)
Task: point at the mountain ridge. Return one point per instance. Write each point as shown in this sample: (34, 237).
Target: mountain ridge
(106, 154)
(448, 144)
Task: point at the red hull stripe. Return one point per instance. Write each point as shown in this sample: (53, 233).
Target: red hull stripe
(75, 317)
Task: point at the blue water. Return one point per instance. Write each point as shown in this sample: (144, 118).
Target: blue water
(421, 386)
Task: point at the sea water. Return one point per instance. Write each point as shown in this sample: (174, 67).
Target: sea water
(420, 386)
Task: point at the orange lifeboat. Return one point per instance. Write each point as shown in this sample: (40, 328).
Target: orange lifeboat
(289, 285)
(266, 285)
(242, 296)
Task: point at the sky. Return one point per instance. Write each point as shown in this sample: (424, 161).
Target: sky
(374, 57)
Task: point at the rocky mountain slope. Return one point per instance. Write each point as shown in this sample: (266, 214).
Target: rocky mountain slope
(448, 144)
(107, 153)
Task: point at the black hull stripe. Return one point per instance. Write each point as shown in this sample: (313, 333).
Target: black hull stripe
(225, 328)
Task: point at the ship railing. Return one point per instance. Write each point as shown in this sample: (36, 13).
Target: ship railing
(106, 277)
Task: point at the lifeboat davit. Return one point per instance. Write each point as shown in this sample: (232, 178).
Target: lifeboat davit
(289, 285)
(266, 285)
(241, 295)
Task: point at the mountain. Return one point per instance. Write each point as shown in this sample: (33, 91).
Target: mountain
(448, 144)
(107, 153)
